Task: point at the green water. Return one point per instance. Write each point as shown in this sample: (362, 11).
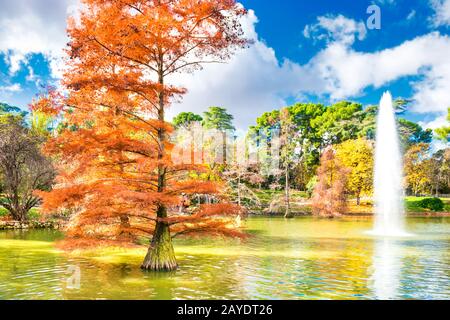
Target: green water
(304, 258)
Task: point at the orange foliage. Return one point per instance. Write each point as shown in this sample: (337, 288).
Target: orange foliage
(115, 169)
(329, 199)
(50, 102)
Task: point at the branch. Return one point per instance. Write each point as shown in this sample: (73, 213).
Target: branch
(192, 63)
(124, 56)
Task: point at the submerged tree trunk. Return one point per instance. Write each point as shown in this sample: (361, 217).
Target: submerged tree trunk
(160, 255)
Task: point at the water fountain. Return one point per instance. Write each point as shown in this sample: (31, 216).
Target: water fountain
(389, 210)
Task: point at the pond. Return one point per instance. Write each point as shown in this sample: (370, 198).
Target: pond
(303, 258)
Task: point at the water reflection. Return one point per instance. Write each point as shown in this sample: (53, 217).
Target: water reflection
(297, 259)
(387, 264)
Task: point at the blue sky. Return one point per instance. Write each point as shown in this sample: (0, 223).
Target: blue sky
(317, 50)
(282, 26)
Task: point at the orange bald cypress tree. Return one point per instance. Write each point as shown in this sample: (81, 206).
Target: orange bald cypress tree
(114, 150)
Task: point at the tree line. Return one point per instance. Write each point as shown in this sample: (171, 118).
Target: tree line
(345, 133)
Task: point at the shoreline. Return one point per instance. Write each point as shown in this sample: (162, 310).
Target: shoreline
(33, 225)
(58, 225)
(356, 215)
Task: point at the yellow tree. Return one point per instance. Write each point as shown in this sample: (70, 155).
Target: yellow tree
(417, 168)
(357, 156)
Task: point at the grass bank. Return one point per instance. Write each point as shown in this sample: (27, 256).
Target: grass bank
(301, 204)
(34, 213)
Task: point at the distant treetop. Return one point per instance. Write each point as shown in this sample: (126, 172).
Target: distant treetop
(218, 118)
(184, 119)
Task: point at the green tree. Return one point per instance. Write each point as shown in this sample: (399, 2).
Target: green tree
(10, 113)
(357, 156)
(316, 127)
(23, 169)
(219, 119)
(439, 170)
(319, 126)
(401, 104)
(306, 142)
(339, 122)
(185, 119)
(363, 125)
(308, 139)
(412, 133)
(186, 123)
(444, 132)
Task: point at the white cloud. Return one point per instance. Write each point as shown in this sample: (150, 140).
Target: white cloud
(348, 72)
(31, 77)
(439, 122)
(388, 2)
(11, 88)
(442, 12)
(411, 15)
(254, 80)
(433, 93)
(336, 28)
(29, 27)
(15, 61)
(8, 90)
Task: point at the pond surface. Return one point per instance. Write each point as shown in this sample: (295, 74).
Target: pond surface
(303, 258)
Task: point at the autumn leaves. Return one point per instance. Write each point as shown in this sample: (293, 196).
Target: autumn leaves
(114, 153)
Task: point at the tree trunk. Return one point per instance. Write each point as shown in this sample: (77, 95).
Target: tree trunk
(18, 214)
(224, 147)
(358, 199)
(15, 215)
(239, 190)
(160, 255)
(124, 227)
(193, 162)
(287, 202)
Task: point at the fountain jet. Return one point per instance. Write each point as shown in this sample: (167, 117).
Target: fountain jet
(389, 209)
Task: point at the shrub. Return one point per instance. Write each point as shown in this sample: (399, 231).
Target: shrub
(311, 186)
(434, 204)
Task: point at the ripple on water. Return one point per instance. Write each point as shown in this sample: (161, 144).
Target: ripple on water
(301, 259)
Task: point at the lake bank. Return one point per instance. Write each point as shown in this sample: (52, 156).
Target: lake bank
(60, 224)
(17, 225)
